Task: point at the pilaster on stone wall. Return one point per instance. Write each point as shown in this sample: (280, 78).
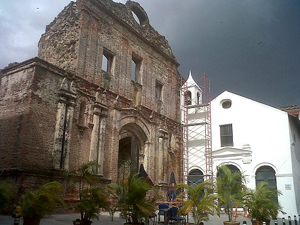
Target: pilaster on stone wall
(63, 127)
(162, 156)
(68, 129)
(144, 155)
(59, 132)
(98, 136)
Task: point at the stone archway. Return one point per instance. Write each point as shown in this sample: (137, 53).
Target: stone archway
(132, 141)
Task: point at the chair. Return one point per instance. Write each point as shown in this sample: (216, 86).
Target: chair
(163, 207)
(172, 214)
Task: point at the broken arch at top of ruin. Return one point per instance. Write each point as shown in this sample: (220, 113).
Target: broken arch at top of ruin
(139, 12)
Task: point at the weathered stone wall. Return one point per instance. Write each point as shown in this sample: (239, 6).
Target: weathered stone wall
(90, 27)
(28, 109)
(67, 111)
(59, 45)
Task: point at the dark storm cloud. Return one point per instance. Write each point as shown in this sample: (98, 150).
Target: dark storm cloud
(249, 47)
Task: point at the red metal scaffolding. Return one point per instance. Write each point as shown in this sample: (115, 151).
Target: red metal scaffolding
(201, 109)
(184, 133)
(208, 138)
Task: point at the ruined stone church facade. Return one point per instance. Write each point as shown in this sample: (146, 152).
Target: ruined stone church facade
(103, 88)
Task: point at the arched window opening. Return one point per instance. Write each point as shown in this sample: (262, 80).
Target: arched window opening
(138, 13)
(136, 18)
(266, 174)
(198, 98)
(188, 98)
(195, 177)
(232, 168)
(236, 185)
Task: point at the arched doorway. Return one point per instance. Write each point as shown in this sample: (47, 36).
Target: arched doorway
(131, 150)
(266, 174)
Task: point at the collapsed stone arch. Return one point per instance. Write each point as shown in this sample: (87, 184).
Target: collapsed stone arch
(138, 11)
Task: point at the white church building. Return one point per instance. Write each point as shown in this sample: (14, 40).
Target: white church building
(261, 141)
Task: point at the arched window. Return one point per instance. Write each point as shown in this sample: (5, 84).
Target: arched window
(198, 98)
(266, 174)
(195, 177)
(232, 168)
(188, 98)
(236, 187)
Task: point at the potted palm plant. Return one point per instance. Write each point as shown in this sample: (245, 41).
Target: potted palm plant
(134, 203)
(36, 204)
(92, 200)
(262, 204)
(201, 201)
(8, 194)
(92, 197)
(230, 191)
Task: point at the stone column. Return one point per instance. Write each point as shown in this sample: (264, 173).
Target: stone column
(147, 155)
(94, 138)
(59, 133)
(67, 136)
(100, 157)
(98, 136)
(162, 156)
(63, 126)
(62, 135)
(160, 160)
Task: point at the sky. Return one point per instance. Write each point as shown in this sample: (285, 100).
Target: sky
(248, 47)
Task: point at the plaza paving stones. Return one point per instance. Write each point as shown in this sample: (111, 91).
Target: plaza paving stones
(104, 219)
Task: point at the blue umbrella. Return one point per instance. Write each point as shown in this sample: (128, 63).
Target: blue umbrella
(171, 193)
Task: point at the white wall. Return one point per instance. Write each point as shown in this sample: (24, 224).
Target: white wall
(295, 154)
(266, 130)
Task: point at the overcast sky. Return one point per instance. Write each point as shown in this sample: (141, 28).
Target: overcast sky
(248, 47)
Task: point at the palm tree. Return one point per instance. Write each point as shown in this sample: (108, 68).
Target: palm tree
(8, 194)
(133, 200)
(201, 201)
(230, 189)
(36, 204)
(92, 197)
(262, 203)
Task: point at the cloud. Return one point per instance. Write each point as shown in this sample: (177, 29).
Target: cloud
(249, 47)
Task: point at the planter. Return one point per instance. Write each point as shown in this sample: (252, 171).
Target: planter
(31, 221)
(257, 222)
(231, 223)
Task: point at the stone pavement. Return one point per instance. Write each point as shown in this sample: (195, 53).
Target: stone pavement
(104, 219)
